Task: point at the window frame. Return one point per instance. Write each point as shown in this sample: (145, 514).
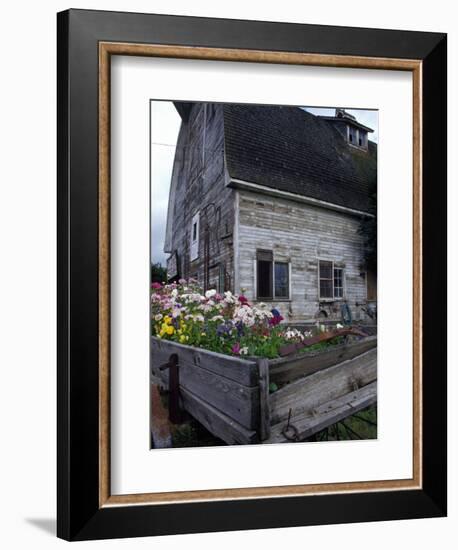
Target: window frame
(194, 243)
(334, 298)
(273, 261)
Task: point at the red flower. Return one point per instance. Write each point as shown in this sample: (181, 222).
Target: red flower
(243, 300)
(276, 319)
(156, 286)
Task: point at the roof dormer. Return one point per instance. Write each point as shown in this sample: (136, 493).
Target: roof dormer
(355, 133)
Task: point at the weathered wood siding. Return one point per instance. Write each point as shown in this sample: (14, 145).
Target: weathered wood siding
(199, 188)
(300, 234)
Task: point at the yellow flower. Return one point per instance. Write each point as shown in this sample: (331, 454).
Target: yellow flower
(183, 338)
(170, 330)
(167, 320)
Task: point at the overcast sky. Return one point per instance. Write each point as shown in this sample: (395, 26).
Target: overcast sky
(165, 125)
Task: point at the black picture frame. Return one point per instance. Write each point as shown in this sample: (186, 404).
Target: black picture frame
(79, 515)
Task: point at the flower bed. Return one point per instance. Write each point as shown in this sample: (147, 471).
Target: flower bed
(224, 323)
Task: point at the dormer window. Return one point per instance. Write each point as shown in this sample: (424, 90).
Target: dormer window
(352, 135)
(357, 136)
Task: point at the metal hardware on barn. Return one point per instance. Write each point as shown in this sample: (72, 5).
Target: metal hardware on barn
(230, 395)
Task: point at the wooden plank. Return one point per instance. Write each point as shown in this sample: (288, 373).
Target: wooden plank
(233, 399)
(243, 371)
(264, 420)
(306, 394)
(327, 414)
(216, 422)
(290, 369)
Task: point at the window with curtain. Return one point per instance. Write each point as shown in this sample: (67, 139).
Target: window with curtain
(272, 277)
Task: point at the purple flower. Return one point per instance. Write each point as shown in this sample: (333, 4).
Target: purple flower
(276, 319)
(239, 327)
(236, 348)
(223, 329)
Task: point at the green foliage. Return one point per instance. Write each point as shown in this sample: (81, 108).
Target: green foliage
(158, 273)
(273, 387)
(193, 434)
(368, 230)
(362, 425)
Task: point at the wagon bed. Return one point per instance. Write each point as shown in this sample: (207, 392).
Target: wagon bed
(230, 395)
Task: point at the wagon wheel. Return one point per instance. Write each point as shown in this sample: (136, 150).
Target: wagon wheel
(361, 425)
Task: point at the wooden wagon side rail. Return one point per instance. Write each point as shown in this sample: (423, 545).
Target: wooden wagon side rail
(221, 392)
(289, 369)
(325, 397)
(303, 426)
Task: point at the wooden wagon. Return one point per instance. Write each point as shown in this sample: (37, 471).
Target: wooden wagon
(230, 395)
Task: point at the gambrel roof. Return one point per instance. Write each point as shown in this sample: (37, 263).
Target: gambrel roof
(292, 150)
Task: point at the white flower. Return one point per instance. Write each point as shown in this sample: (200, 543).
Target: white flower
(339, 326)
(293, 334)
(217, 318)
(244, 350)
(229, 298)
(174, 293)
(158, 317)
(210, 293)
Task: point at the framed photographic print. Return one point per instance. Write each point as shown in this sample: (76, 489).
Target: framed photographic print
(252, 274)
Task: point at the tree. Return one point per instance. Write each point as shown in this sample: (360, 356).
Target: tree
(158, 273)
(368, 230)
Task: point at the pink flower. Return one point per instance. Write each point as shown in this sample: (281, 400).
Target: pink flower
(236, 348)
(156, 286)
(243, 300)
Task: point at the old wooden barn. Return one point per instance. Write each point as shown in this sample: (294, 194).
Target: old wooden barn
(267, 201)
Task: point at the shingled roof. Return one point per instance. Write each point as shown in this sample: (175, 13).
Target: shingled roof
(289, 149)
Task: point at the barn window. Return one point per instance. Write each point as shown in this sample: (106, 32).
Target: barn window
(281, 279)
(338, 282)
(352, 134)
(272, 277)
(331, 281)
(195, 237)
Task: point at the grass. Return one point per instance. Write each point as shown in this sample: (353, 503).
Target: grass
(193, 434)
(362, 425)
